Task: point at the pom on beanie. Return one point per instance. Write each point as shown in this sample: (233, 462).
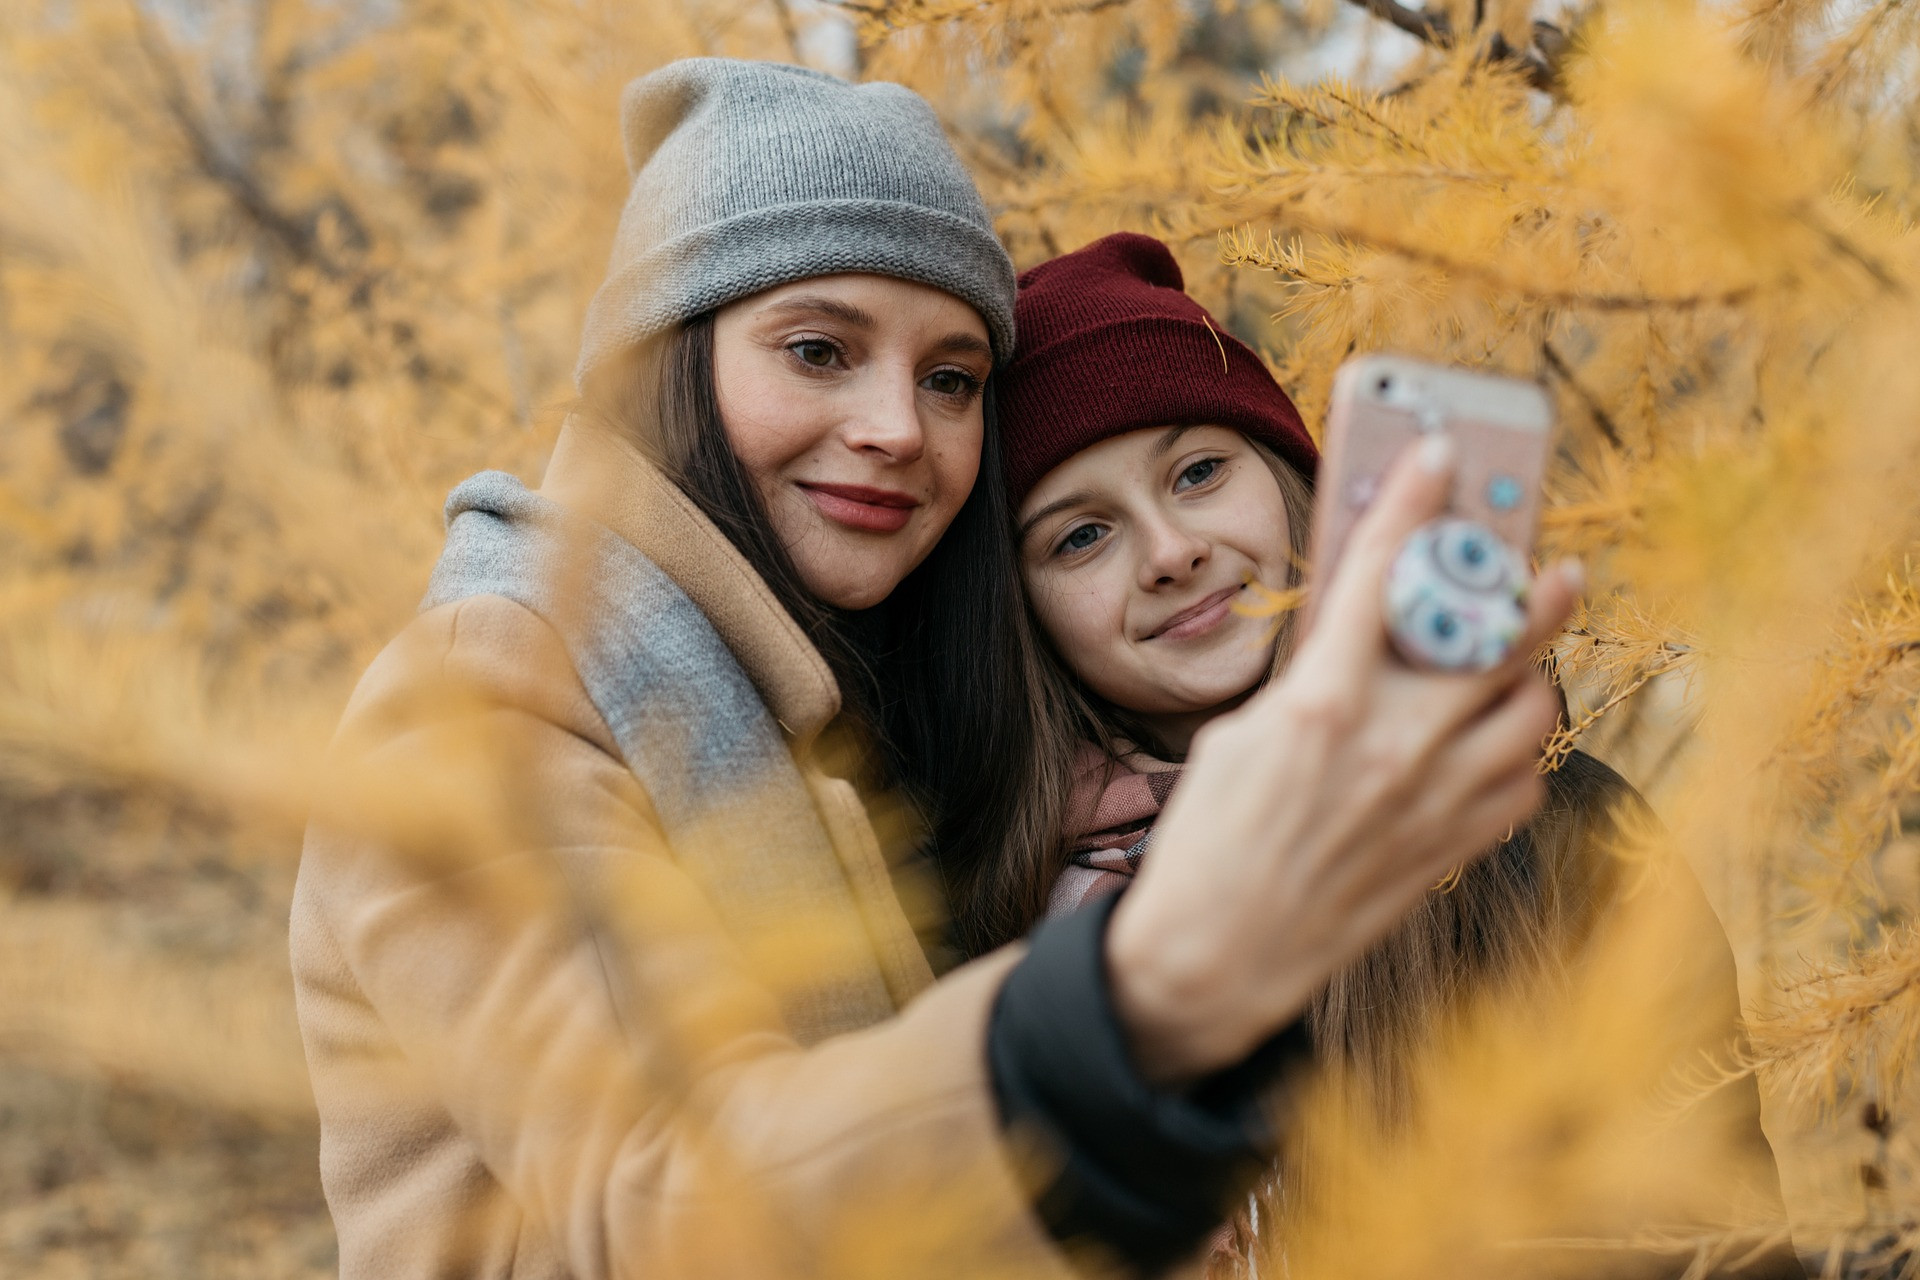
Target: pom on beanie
(1111, 343)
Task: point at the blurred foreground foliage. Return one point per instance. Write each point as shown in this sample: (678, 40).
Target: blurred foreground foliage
(274, 275)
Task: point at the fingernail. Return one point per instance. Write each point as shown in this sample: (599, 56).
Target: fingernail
(1574, 574)
(1436, 451)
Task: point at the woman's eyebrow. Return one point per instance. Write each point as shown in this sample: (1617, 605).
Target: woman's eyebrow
(963, 344)
(848, 313)
(816, 304)
(1071, 500)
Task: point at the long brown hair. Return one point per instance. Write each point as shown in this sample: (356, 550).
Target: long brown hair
(1508, 916)
(943, 683)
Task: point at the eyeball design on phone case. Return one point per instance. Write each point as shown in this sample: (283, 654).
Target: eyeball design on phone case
(1456, 596)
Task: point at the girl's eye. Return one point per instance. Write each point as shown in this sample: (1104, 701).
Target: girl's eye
(815, 352)
(1198, 473)
(1081, 538)
(951, 382)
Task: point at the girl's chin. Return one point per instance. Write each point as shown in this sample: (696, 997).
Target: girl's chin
(1210, 693)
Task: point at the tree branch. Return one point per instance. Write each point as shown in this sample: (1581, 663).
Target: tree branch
(1847, 249)
(789, 31)
(1601, 418)
(234, 178)
(1538, 62)
(899, 17)
(1567, 299)
(1565, 737)
(1431, 28)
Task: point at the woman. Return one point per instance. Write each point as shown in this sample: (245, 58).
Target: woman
(1158, 471)
(601, 967)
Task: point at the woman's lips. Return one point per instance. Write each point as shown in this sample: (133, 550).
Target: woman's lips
(1200, 619)
(858, 507)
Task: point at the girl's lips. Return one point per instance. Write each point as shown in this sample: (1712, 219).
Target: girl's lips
(1200, 619)
(859, 507)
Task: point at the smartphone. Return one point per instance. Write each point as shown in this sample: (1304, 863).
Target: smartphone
(1381, 404)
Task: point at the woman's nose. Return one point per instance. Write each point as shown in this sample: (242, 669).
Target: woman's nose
(886, 420)
(1171, 554)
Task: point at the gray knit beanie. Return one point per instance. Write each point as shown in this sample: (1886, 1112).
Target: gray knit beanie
(749, 175)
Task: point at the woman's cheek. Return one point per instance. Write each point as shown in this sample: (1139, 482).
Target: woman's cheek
(763, 433)
(956, 464)
(954, 477)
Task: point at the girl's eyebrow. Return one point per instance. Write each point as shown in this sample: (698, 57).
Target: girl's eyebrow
(1165, 443)
(1161, 447)
(1071, 500)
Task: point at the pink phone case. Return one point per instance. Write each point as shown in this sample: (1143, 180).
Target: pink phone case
(1382, 404)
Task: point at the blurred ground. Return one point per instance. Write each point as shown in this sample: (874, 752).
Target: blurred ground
(102, 1179)
(103, 1174)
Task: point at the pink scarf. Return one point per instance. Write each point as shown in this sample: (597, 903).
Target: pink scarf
(1110, 820)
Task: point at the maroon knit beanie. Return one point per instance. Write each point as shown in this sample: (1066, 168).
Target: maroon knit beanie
(1108, 342)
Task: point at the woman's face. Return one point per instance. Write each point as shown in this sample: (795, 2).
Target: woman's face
(1134, 551)
(853, 402)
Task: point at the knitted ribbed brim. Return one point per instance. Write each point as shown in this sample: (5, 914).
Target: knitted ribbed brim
(751, 175)
(1111, 343)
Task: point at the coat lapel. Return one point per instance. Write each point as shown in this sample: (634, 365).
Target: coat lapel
(609, 482)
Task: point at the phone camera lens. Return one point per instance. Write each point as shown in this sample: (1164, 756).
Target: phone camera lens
(1383, 384)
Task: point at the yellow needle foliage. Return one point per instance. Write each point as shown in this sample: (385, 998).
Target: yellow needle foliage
(274, 275)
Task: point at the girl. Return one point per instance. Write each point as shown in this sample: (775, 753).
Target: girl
(602, 967)
(1157, 470)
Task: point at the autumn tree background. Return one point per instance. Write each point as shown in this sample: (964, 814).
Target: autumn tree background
(275, 274)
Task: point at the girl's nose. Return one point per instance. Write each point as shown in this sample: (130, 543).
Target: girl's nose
(1171, 554)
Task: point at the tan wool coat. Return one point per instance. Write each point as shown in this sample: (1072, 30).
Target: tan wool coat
(546, 1041)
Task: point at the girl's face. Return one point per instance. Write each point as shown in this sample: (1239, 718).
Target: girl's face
(1134, 551)
(853, 402)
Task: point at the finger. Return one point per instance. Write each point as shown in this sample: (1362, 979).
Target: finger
(1506, 805)
(1502, 741)
(1477, 824)
(1414, 491)
(1463, 835)
(1549, 603)
(1507, 737)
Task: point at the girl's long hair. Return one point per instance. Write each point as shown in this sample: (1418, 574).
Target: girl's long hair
(944, 682)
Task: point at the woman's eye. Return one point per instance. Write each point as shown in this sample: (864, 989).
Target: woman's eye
(814, 352)
(1081, 538)
(1198, 473)
(951, 382)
